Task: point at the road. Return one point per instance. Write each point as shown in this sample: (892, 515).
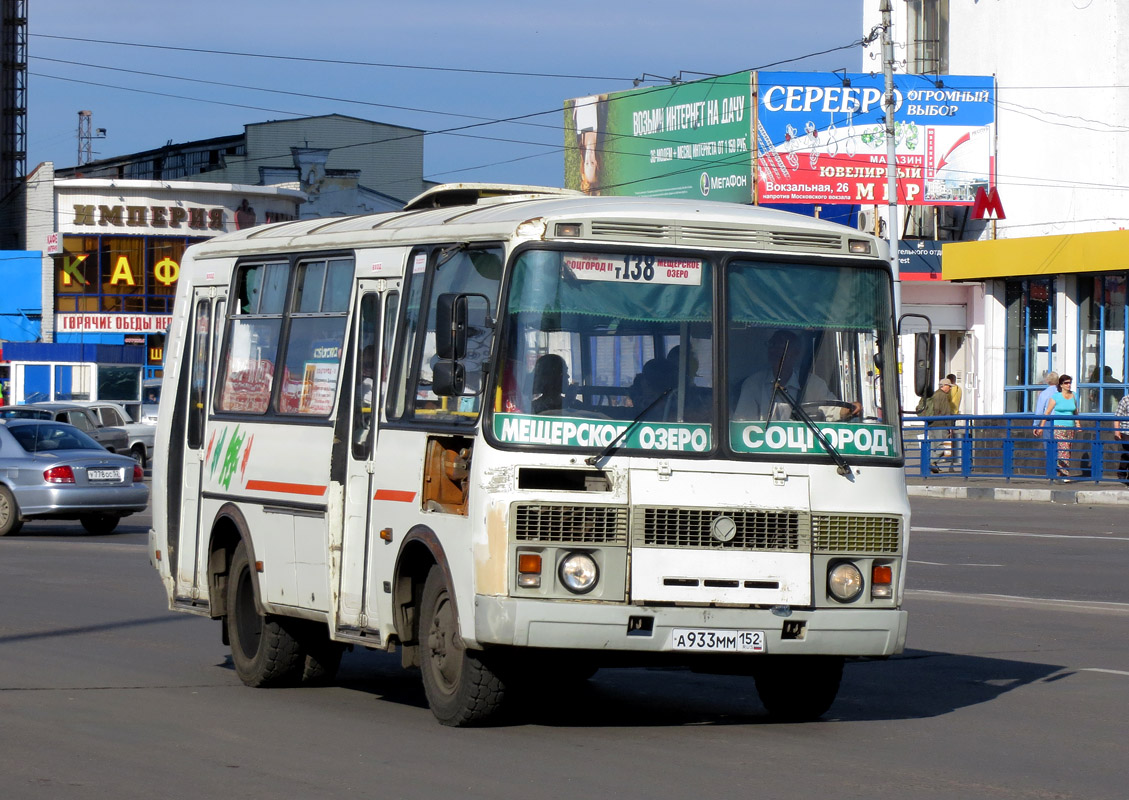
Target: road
(1015, 684)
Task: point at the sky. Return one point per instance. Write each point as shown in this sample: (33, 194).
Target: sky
(159, 72)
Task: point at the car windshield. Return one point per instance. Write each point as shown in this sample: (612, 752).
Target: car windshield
(52, 436)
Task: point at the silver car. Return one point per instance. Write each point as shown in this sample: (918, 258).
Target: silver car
(141, 435)
(51, 470)
(114, 439)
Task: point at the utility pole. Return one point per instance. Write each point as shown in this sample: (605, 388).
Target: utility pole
(891, 152)
(86, 136)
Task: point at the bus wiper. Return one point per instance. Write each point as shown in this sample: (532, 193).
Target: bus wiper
(613, 445)
(843, 468)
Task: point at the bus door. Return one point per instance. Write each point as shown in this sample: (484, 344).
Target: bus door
(207, 312)
(353, 610)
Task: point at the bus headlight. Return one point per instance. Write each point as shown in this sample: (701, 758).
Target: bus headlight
(844, 581)
(579, 573)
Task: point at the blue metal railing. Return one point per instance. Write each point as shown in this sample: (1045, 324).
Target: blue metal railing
(1009, 446)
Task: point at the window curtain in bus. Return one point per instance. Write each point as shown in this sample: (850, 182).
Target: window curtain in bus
(808, 297)
(541, 286)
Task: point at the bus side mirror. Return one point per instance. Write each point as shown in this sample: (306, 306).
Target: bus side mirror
(451, 316)
(448, 378)
(923, 364)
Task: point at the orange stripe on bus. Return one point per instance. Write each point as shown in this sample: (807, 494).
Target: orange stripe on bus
(396, 495)
(286, 488)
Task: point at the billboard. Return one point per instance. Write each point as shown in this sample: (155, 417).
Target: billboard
(815, 137)
(821, 138)
(688, 140)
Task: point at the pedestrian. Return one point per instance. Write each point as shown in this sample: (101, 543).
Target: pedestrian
(1121, 433)
(955, 393)
(1062, 407)
(939, 404)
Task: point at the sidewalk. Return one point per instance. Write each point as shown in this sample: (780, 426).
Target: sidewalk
(1020, 490)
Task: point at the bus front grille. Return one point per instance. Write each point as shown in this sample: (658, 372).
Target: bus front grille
(537, 522)
(852, 533)
(738, 529)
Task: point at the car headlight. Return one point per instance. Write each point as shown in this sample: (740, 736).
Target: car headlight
(579, 573)
(844, 581)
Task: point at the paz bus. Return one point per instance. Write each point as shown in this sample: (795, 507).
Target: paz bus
(520, 434)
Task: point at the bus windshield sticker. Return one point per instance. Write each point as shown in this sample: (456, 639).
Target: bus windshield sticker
(796, 438)
(635, 268)
(586, 432)
(419, 264)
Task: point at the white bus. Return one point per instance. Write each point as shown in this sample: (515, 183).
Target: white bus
(521, 434)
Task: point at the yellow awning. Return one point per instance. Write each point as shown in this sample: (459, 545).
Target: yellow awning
(1102, 251)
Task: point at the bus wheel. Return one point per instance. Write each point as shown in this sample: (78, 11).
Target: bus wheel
(10, 521)
(263, 650)
(322, 655)
(461, 690)
(100, 524)
(798, 688)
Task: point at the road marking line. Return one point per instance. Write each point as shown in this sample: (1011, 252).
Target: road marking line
(943, 564)
(1107, 671)
(1061, 605)
(1018, 533)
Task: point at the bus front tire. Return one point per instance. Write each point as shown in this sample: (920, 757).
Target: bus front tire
(263, 650)
(798, 688)
(461, 689)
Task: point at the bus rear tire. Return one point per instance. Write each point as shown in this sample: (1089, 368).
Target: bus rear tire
(322, 655)
(263, 650)
(461, 689)
(798, 688)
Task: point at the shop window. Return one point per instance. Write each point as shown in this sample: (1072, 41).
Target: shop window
(1030, 340)
(1101, 380)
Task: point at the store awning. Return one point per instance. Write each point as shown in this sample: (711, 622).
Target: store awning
(1103, 251)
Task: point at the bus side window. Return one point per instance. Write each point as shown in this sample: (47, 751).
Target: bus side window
(364, 391)
(251, 347)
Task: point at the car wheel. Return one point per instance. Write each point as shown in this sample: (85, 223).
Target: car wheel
(263, 649)
(99, 524)
(138, 453)
(10, 521)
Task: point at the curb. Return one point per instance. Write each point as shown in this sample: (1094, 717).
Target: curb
(1093, 497)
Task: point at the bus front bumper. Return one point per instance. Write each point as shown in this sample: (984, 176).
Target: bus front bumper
(647, 629)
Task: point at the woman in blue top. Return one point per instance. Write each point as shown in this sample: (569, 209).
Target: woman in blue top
(1063, 405)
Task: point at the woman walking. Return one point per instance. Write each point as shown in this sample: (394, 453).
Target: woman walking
(1063, 405)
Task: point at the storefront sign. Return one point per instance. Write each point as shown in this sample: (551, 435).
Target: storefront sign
(163, 217)
(54, 243)
(919, 260)
(112, 323)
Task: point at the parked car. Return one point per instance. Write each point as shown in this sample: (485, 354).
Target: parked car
(52, 470)
(140, 434)
(113, 438)
(150, 400)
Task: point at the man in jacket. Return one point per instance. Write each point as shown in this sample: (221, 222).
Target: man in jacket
(939, 404)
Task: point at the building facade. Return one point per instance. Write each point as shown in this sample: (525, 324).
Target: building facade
(1043, 285)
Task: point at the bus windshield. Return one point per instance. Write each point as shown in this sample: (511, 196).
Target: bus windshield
(607, 346)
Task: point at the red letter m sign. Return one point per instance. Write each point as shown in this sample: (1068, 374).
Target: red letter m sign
(988, 205)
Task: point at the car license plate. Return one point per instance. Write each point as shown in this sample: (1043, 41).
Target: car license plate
(104, 474)
(717, 641)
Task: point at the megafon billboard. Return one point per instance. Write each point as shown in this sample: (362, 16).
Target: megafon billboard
(815, 137)
(689, 140)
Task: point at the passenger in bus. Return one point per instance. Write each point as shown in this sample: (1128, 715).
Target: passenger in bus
(696, 405)
(550, 382)
(783, 353)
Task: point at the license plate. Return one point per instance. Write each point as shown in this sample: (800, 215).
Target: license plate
(717, 641)
(104, 474)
